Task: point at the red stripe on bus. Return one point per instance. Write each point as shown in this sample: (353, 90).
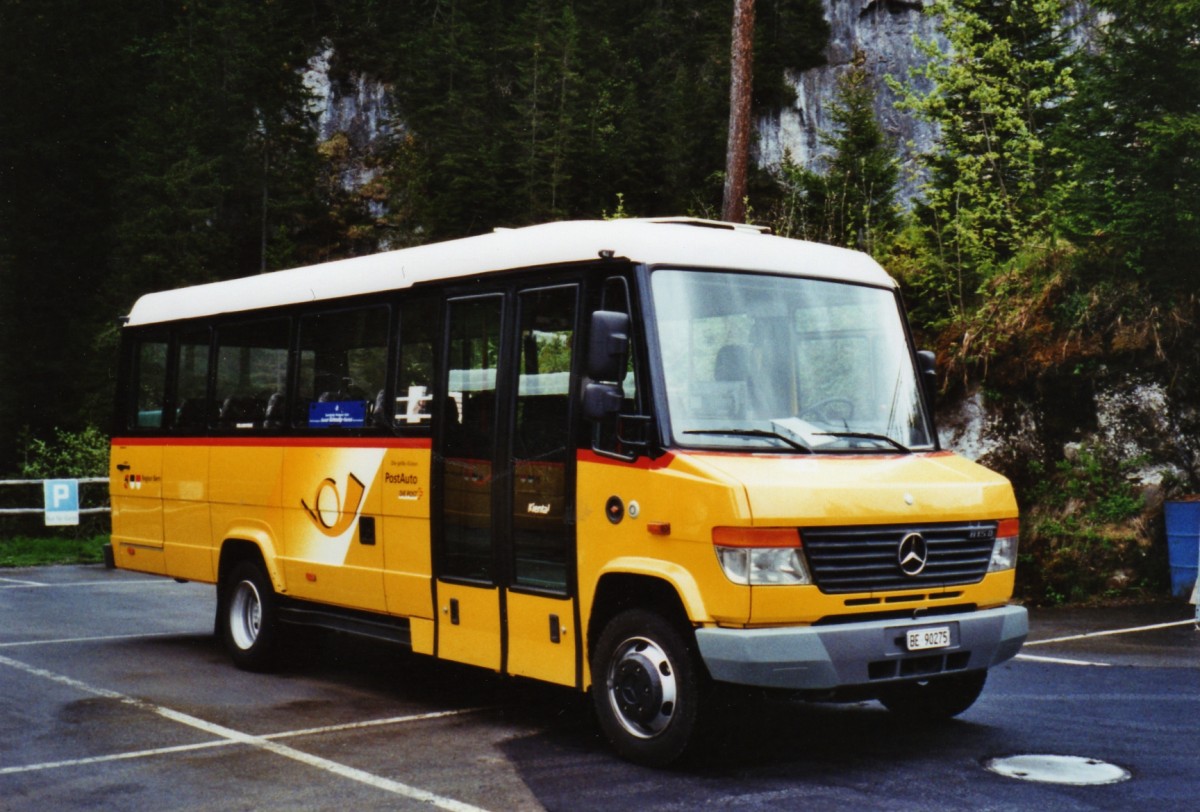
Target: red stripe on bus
(288, 442)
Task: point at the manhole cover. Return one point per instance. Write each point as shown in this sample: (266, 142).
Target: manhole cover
(1074, 770)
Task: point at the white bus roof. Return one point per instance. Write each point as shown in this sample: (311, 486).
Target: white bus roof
(670, 241)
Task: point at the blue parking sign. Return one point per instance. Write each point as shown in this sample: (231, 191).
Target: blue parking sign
(62, 502)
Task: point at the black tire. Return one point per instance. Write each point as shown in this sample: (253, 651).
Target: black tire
(936, 699)
(648, 685)
(248, 618)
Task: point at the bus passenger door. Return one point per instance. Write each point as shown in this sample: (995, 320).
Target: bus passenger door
(542, 631)
(506, 546)
(468, 585)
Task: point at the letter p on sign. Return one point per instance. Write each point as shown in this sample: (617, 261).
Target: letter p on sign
(62, 502)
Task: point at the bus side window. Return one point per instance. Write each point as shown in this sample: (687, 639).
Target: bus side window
(252, 360)
(149, 384)
(191, 380)
(627, 433)
(415, 375)
(541, 536)
(343, 368)
(616, 297)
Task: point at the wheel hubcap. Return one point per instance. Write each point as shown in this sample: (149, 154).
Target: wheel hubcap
(642, 687)
(245, 614)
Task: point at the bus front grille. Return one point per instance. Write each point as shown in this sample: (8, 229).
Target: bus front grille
(868, 559)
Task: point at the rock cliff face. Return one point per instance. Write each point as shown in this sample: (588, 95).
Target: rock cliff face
(355, 110)
(884, 31)
(1147, 427)
(1093, 458)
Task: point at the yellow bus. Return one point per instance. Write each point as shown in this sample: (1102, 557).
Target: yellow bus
(641, 458)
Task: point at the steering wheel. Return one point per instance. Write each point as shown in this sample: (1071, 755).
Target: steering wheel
(830, 410)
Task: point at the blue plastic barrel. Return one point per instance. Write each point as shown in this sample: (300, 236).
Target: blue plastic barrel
(1183, 545)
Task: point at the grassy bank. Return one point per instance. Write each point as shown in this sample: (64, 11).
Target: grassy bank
(23, 551)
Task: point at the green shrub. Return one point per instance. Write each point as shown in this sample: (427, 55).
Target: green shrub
(1083, 536)
(71, 454)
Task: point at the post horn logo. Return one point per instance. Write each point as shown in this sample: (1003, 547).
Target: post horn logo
(912, 554)
(329, 513)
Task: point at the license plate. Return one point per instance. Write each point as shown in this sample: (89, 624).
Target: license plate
(923, 639)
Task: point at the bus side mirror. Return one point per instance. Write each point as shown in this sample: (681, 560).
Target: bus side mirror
(608, 349)
(608, 352)
(601, 400)
(604, 393)
(927, 365)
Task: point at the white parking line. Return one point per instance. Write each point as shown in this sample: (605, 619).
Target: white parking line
(229, 736)
(17, 583)
(83, 762)
(99, 639)
(187, 748)
(9, 583)
(394, 720)
(1087, 635)
(1109, 632)
(1060, 660)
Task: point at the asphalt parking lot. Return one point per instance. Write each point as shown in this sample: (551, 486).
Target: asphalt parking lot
(114, 694)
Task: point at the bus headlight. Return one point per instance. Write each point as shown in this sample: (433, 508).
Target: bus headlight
(1004, 551)
(761, 556)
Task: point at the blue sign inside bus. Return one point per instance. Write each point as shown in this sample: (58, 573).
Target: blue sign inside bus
(347, 414)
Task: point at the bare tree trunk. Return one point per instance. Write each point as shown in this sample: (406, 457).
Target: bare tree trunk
(733, 205)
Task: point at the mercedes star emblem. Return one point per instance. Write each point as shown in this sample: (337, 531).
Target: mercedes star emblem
(913, 554)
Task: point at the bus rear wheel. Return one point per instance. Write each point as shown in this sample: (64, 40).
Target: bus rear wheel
(647, 687)
(248, 616)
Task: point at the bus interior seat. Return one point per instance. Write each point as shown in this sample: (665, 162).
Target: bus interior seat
(451, 428)
(732, 363)
(191, 414)
(541, 427)
(241, 412)
(378, 410)
(732, 366)
(477, 419)
(275, 413)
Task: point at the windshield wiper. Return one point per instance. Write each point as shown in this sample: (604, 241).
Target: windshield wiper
(865, 435)
(755, 433)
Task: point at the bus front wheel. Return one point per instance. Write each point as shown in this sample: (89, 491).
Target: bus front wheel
(250, 625)
(647, 687)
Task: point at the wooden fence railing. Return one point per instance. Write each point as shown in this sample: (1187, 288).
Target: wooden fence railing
(7, 511)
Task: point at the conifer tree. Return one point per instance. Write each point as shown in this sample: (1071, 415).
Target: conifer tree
(1135, 129)
(546, 53)
(852, 203)
(66, 80)
(218, 162)
(546, 108)
(996, 95)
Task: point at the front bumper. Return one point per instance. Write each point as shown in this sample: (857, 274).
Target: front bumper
(822, 658)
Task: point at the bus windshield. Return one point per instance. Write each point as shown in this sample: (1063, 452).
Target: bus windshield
(762, 362)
